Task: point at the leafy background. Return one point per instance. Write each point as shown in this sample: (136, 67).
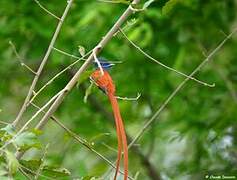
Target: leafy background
(195, 136)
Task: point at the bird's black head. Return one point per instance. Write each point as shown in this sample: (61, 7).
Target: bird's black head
(104, 63)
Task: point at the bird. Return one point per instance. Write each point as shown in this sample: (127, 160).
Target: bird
(104, 81)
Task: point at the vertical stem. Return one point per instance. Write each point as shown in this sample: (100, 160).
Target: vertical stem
(44, 61)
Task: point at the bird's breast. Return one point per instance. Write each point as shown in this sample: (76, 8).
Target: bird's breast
(104, 81)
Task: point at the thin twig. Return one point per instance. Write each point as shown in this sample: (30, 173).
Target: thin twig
(153, 118)
(79, 139)
(46, 10)
(114, 1)
(67, 54)
(20, 59)
(137, 10)
(44, 61)
(163, 65)
(129, 98)
(2, 122)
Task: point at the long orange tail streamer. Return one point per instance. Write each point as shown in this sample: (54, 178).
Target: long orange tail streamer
(118, 131)
(105, 82)
(118, 118)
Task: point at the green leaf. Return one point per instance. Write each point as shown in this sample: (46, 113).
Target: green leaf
(12, 162)
(88, 92)
(55, 172)
(27, 140)
(169, 6)
(6, 133)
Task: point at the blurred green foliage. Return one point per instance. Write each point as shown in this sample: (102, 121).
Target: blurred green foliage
(196, 135)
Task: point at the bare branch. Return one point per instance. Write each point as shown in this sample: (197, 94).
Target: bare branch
(137, 10)
(153, 118)
(129, 98)
(67, 54)
(163, 65)
(20, 59)
(44, 61)
(46, 10)
(113, 1)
